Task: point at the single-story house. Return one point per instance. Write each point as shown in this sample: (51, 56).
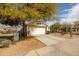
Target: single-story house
(37, 29)
(75, 27)
(9, 31)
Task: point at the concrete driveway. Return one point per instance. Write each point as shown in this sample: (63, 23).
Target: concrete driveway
(49, 39)
(66, 48)
(56, 46)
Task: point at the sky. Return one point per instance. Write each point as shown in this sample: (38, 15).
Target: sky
(68, 12)
(64, 6)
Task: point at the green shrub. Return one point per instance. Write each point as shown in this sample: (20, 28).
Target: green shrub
(5, 43)
(55, 27)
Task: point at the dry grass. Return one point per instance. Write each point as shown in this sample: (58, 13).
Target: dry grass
(21, 47)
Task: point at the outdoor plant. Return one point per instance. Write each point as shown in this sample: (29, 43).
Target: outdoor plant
(13, 14)
(5, 43)
(55, 27)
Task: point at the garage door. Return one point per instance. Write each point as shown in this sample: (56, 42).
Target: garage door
(38, 31)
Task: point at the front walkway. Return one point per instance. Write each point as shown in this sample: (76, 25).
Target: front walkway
(49, 39)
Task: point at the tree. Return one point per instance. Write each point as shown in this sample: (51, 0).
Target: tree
(15, 13)
(55, 27)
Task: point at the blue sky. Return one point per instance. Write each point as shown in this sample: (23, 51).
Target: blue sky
(63, 7)
(68, 13)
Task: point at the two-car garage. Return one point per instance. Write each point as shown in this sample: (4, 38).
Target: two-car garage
(37, 29)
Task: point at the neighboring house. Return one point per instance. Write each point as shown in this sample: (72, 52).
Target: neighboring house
(75, 27)
(10, 31)
(37, 28)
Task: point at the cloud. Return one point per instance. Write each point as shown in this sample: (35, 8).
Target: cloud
(72, 15)
(62, 16)
(49, 23)
(67, 10)
(74, 10)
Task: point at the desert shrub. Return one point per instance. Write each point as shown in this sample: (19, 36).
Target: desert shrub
(5, 43)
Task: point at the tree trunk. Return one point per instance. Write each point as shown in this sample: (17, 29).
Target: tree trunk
(24, 31)
(70, 32)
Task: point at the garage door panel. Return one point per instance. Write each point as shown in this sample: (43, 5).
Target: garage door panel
(37, 31)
